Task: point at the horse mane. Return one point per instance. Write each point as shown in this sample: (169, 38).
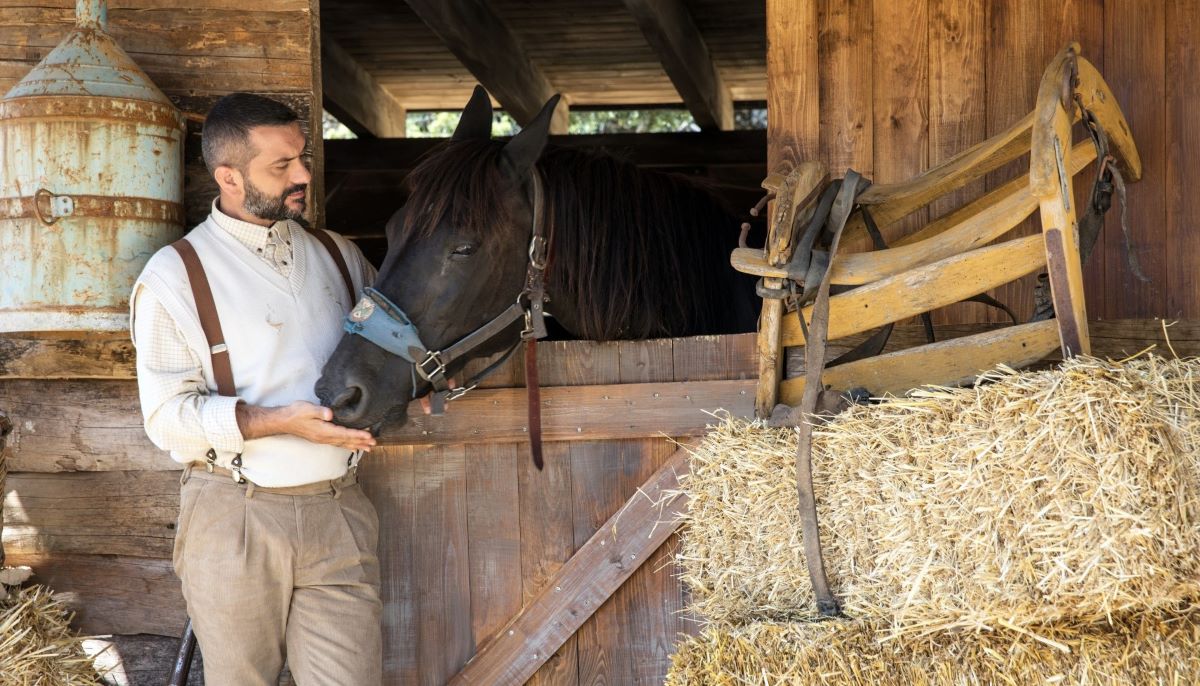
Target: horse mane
(644, 253)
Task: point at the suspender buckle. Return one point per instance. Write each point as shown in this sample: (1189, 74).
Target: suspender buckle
(236, 468)
(211, 459)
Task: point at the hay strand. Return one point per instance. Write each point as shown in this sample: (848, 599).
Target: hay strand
(37, 645)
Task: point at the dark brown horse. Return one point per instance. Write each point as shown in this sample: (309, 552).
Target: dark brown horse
(632, 254)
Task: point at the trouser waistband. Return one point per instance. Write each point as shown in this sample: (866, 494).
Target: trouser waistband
(199, 470)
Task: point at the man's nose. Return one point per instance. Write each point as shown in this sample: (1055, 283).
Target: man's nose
(300, 174)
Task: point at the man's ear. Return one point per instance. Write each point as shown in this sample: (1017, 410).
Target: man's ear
(229, 179)
(476, 121)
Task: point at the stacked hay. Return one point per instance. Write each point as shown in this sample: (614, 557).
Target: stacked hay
(1038, 507)
(1146, 650)
(37, 645)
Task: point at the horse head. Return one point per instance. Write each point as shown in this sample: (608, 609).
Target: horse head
(457, 258)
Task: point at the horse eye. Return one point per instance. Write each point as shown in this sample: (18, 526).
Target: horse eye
(464, 250)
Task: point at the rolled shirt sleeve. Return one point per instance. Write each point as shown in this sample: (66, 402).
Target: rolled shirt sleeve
(179, 412)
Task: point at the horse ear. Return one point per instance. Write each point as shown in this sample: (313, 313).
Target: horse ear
(526, 147)
(476, 121)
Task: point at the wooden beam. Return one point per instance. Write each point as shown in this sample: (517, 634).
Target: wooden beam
(356, 98)
(113, 594)
(651, 150)
(945, 363)
(582, 585)
(63, 426)
(75, 355)
(671, 31)
(489, 49)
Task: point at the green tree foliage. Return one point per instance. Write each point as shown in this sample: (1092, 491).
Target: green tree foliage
(441, 124)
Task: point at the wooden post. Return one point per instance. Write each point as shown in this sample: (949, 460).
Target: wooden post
(793, 122)
(5, 427)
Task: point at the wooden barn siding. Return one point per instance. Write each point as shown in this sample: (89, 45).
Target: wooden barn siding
(195, 51)
(889, 87)
(470, 532)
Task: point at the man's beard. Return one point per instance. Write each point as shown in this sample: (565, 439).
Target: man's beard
(273, 209)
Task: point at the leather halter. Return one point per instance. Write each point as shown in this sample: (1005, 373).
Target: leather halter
(385, 324)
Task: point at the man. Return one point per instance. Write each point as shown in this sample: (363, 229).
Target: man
(275, 545)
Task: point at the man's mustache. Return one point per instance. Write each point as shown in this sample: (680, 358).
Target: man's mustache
(297, 188)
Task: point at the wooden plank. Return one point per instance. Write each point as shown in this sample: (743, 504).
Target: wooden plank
(617, 549)
(78, 425)
(97, 426)
(1182, 166)
(793, 84)
(455, 618)
(957, 97)
(602, 643)
(705, 358)
(388, 477)
(1014, 63)
(672, 33)
(925, 288)
(900, 91)
(91, 513)
(429, 566)
(58, 355)
(494, 535)
(846, 105)
(944, 363)
(356, 98)
(136, 659)
(112, 594)
(1135, 66)
(486, 46)
(547, 542)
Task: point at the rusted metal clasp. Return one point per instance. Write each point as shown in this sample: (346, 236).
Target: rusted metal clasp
(58, 206)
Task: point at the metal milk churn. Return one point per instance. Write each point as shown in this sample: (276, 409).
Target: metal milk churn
(91, 183)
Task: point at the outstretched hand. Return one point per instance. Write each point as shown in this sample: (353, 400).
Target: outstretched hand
(304, 419)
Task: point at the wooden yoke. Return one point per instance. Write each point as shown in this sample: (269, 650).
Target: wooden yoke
(954, 257)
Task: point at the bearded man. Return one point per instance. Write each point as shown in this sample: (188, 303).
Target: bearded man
(275, 544)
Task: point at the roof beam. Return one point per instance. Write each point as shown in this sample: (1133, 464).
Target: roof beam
(671, 31)
(485, 45)
(356, 98)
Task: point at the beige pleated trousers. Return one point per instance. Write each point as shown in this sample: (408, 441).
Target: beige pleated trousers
(270, 574)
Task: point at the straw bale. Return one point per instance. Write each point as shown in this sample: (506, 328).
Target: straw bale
(37, 645)
(1149, 649)
(1063, 495)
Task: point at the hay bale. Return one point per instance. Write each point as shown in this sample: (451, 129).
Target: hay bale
(37, 646)
(1149, 650)
(1064, 495)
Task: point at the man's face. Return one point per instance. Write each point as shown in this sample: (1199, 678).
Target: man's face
(276, 178)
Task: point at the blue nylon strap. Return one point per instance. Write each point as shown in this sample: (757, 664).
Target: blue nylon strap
(380, 321)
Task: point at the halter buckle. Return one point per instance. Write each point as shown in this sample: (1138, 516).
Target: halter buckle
(456, 393)
(537, 253)
(435, 357)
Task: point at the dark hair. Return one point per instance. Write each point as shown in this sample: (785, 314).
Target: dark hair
(225, 138)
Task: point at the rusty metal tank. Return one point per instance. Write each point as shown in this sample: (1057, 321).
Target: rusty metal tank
(91, 183)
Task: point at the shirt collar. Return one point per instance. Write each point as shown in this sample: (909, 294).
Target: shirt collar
(252, 236)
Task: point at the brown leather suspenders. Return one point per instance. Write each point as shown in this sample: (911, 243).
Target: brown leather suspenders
(206, 307)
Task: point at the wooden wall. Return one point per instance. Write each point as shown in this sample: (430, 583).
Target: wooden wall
(470, 531)
(195, 51)
(890, 87)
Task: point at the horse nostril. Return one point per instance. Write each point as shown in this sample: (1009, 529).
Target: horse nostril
(347, 398)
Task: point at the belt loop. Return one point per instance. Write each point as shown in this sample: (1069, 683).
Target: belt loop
(336, 485)
(187, 473)
(249, 489)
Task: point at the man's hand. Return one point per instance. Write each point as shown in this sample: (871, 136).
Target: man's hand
(426, 407)
(304, 419)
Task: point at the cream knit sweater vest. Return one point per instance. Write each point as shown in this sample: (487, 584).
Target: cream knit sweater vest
(278, 339)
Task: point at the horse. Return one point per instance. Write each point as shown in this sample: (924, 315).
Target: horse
(626, 253)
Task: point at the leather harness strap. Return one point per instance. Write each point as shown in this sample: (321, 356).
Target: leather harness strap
(814, 360)
(206, 308)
